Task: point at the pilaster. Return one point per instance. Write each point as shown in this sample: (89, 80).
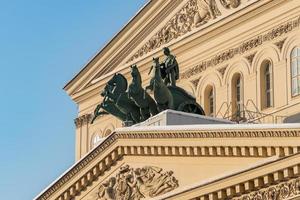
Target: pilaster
(82, 135)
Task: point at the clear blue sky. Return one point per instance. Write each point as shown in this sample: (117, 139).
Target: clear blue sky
(43, 44)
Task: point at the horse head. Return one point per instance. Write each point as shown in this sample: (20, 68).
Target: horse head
(134, 71)
(106, 90)
(115, 86)
(155, 62)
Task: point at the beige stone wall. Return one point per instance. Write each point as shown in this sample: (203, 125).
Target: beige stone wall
(211, 57)
(225, 160)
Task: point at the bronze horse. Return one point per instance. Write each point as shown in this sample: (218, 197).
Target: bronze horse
(142, 99)
(171, 97)
(116, 101)
(162, 94)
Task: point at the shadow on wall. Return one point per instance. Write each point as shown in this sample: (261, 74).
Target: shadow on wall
(292, 119)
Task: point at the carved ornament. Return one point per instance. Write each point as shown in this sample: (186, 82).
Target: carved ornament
(230, 4)
(222, 70)
(251, 57)
(138, 183)
(83, 120)
(285, 190)
(195, 82)
(194, 14)
(242, 48)
(280, 43)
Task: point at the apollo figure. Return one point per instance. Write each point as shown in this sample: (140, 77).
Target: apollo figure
(170, 69)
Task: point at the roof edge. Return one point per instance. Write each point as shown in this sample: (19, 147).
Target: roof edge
(107, 44)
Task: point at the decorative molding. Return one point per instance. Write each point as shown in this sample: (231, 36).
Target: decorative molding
(280, 43)
(120, 151)
(243, 48)
(285, 184)
(195, 82)
(285, 190)
(251, 57)
(222, 70)
(83, 120)
(193, 15)
(208, 134)
(136, 184)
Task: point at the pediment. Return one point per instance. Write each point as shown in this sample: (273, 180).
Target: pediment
(155, 161)
(158, 24)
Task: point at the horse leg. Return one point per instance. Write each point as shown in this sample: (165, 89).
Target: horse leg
(162, 107)
(171, 103)
(152, 107)
(145, 114)
(172, 78)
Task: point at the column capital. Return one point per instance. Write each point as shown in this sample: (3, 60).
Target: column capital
(83, 120)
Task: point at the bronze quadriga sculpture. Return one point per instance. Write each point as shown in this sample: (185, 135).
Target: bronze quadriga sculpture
(133, 104)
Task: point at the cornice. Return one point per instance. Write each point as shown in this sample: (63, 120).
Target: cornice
(112, 54)
(284, 190)
(254, 183)
(117, 153)
(215, 60)
(102, 51)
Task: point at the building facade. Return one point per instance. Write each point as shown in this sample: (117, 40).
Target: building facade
(241, 60)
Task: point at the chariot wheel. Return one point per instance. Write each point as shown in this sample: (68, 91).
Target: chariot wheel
(191, 107)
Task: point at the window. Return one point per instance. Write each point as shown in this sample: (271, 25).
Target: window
(107, 132)
(236, 96)
(96, 140)
(209, 101)
(266, 85)
(295, 71)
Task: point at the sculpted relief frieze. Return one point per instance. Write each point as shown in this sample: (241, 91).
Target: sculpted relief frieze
(193, 15)
(287, 190)
(137, 183)
(230, 4)
(245, 47)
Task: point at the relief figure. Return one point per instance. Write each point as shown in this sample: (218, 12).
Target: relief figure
(207, 9)
(136, 184)
(230, 3)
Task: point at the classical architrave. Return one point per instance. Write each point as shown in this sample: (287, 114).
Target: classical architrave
(111, 155)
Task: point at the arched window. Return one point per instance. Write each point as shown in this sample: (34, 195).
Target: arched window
(236, 95)
(96, 139)
(209, 101)
(266, 85)
(107, 132)
(295, 69)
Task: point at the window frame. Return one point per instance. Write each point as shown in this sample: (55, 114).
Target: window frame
(295, 58)
(209, 100)
(266, 85)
